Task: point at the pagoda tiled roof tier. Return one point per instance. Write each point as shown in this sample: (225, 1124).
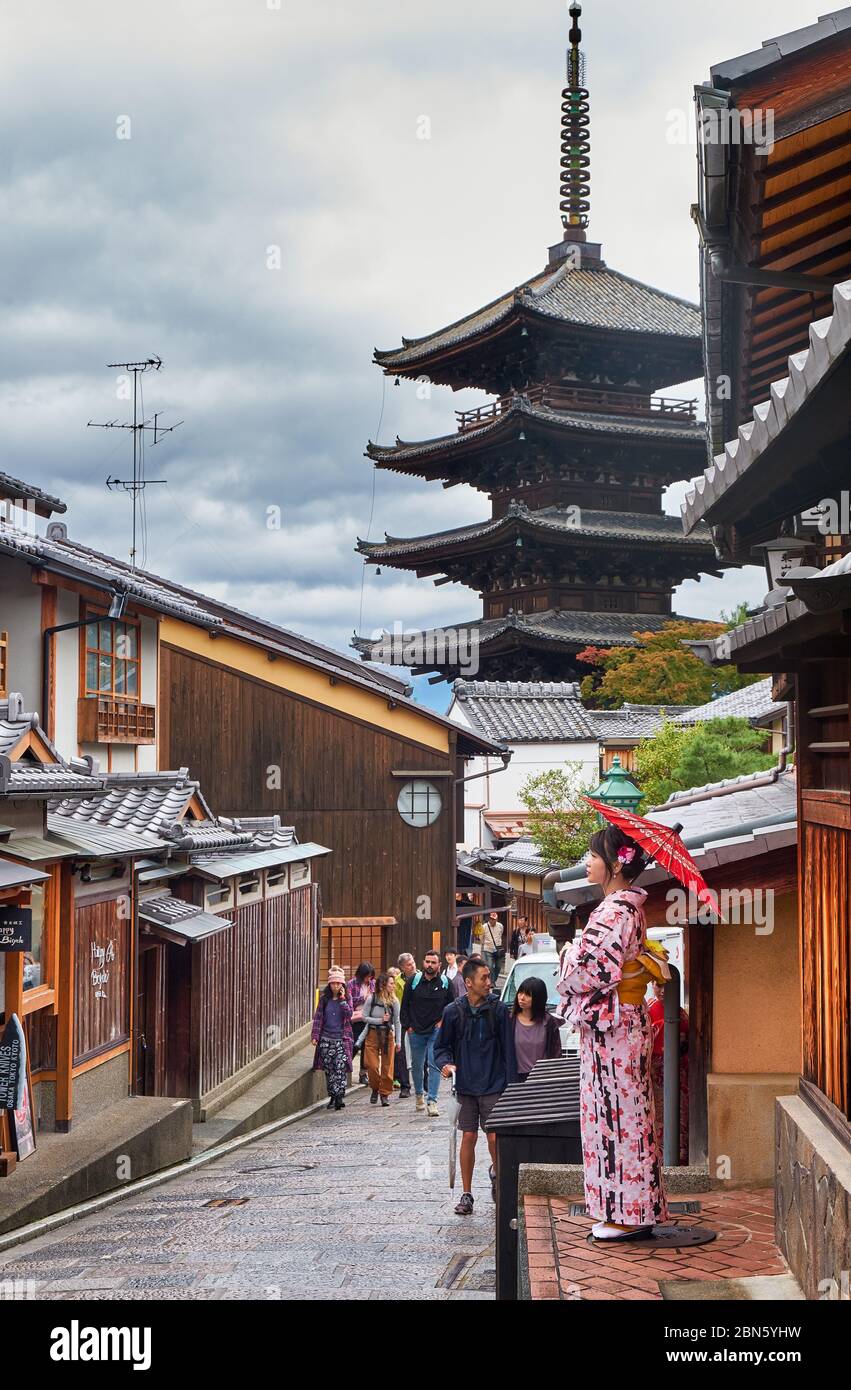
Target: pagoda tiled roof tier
(626, 530)
(571, 303)
(537, 642)
(680, 441)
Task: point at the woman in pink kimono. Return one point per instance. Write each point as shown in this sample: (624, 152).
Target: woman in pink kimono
(604, 977)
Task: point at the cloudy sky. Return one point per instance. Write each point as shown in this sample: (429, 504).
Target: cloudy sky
(239, 186)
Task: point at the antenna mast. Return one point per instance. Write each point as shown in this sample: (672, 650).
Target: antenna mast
(136, 486)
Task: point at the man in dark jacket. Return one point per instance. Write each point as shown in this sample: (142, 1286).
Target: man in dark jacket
(477, 1039)
(423, 1002)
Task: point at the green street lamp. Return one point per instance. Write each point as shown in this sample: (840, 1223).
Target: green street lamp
(617, 789)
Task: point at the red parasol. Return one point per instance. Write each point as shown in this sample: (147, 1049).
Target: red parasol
(663, 844)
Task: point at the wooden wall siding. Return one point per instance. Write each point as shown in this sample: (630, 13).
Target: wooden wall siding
(826, 960)
(101, 1007)
(255, 983)
(41, 1040)
(335, 787)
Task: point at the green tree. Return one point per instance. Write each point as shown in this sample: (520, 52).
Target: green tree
(679, 757)
(559, 822)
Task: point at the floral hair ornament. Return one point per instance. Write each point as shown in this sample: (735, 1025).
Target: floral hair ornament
(626, 854)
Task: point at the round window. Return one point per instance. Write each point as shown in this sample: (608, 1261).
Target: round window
(419, 803)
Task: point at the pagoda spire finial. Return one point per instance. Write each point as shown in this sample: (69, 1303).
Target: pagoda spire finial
(575, 186)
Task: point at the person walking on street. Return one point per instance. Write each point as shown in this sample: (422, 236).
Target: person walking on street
(360, 985)
(331, 1035)
(457, 988)
(407, 970)
(383, 1037)
(450, 969)
(423, 1003)
(477, 1040)
(517, 937)
(492, 945)
(537, 1034)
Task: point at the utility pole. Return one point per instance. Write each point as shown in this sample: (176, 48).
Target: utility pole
(136, 486)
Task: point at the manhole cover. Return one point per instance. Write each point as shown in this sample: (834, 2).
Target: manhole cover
(226, 1202)
(675, 1208)
(666, 1238)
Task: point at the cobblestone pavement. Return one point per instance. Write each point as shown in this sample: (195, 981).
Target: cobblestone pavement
(349, 1205)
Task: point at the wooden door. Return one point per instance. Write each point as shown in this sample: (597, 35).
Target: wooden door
(151, 1035)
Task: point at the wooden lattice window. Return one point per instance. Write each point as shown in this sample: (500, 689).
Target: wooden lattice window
(111, 658)
(4, 663)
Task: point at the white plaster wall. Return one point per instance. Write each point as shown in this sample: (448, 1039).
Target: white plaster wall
(20, 616)
(499, 791)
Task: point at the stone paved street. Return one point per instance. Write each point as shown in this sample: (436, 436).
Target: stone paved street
(345, 1205)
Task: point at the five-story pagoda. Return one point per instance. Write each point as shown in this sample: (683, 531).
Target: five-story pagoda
(573, 453)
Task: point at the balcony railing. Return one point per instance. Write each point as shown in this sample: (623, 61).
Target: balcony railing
(584, 399)
(106, 719)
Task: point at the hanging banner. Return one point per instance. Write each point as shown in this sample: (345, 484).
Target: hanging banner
(16, 928)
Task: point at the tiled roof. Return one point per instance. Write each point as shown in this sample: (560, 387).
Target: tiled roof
(100, 841)
(525, 711)
(753, 701)
(830, 339)
(556, 626)
(15, 489)
(26, 776)
(631, 721)
(595, 297)
(55, 547)
(253, 834)
(636, 528)
(46, 780)
(523, 857)
(142, 802)
(750, 799)
(658, 427)
(181, 919)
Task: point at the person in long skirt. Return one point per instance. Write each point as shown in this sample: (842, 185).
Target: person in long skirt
(331, 1035)
(604, 977)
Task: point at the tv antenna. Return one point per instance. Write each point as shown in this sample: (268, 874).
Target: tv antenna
(136, 486)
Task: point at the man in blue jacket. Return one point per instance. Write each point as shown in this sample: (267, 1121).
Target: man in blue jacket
(477, 1039)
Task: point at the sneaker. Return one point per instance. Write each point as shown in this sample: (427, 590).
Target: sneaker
(385, 1100)
(421, 1102)
(492, 1176)
(373, 1100)
(339, 1104)
(330, 1105)
(404, 1093)
(363, 1079)
(465, 1206)
(432, 1109)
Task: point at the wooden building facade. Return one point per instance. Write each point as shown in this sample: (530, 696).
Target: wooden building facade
(778, 491)
(357, 766)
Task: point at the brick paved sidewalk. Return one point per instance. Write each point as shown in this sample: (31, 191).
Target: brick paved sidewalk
(563, 1264)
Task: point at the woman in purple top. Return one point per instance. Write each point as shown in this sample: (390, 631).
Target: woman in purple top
(536, 1032)
(331, 1035)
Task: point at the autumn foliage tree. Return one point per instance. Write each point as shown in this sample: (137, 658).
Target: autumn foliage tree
(659, 669)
